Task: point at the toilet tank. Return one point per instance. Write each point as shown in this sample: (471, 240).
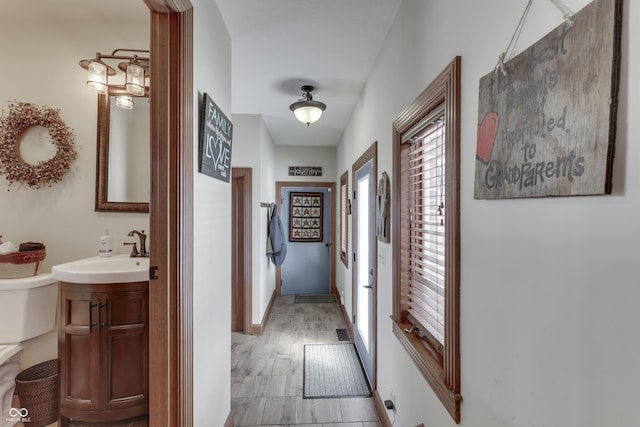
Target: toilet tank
(27, 307)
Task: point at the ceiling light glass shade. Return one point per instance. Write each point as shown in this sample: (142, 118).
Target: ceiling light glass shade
(135, 79)
(124, 102)
(308, 111)
(97, 78)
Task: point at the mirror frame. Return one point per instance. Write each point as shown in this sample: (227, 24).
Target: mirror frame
(102, 157)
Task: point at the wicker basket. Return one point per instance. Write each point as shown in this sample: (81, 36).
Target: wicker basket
(37, 389)
(21, 264)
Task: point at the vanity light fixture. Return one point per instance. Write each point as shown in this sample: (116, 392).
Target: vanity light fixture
(306, 109)
(135, 78)
(125, 102)
(97, 79)
(135, 67)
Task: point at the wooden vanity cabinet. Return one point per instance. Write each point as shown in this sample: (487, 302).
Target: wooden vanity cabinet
(103, 351)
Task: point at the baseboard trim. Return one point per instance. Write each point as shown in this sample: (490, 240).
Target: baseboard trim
(347, 321)
(230, 421)
(381, 410)
(259, 329)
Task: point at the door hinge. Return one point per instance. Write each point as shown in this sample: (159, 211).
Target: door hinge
(354, 194)
(354, 257)
(153, 272)
(354, 318)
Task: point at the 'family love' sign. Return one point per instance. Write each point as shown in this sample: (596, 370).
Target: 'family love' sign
(216, 132)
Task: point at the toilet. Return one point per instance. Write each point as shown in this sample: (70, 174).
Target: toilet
(27, 311)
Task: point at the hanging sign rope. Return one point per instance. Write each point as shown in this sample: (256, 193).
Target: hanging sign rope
(509, 50)
(547, 125)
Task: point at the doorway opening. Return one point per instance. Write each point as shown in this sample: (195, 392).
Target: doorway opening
(364, 268)
(313, 241)
(241, 284)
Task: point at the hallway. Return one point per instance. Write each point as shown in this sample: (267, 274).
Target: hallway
(267, 372)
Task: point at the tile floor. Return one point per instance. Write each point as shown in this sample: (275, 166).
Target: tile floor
(133, 422)
(266, 372)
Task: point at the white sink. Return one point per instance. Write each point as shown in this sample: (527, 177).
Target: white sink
(115, 269)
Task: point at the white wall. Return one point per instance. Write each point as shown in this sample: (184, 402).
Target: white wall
(267, 194)
(253, 148)
(548, 286)
(212, 231)
(44, 70)
(41, 67)
(286, 156)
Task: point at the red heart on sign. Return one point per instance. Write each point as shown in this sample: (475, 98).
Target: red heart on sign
(487, 131)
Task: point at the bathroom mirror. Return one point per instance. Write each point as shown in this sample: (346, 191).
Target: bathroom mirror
(123, 157)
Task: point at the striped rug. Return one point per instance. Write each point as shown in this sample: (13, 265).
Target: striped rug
(333, 370)
(318, 298)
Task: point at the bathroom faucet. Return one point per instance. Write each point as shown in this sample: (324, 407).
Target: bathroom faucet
(134, 249)
(143, 239)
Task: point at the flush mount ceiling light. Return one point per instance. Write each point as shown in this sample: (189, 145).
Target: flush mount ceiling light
(306, 109)
(135, 68)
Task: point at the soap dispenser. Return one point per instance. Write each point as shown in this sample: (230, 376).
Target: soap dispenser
(105, 248)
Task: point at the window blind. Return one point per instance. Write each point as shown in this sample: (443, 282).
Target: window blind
(425, 174)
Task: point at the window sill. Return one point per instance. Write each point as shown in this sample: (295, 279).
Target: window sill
(344, 259)
(430, 369)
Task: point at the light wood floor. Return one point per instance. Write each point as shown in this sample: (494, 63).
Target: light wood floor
(266, 372)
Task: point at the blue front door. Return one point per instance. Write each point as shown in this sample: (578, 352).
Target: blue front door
(306, 218)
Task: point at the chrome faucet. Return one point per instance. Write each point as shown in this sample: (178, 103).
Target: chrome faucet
(143, 245)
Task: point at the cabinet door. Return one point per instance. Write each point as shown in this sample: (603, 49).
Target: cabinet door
(79, 355)
(124, 339)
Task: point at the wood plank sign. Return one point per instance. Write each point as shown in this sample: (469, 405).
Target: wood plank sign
(216, 132)
(547, 126)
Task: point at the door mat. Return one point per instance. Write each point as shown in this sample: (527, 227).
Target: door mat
(320, 298)
(343, 335)
(333, 370)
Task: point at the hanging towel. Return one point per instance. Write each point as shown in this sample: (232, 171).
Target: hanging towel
(269, 245)
(276, 241)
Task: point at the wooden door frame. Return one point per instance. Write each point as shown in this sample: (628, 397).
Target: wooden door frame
(370, 154)
(171, 101)
(332, 249)
(247, 174)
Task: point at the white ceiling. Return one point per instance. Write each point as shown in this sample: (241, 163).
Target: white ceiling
(72, 10)
(277, 46)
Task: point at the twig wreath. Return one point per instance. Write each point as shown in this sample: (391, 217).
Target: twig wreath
(21, 116)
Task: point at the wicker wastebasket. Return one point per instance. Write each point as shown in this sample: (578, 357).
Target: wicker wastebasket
(21, 264)
(37, 389)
